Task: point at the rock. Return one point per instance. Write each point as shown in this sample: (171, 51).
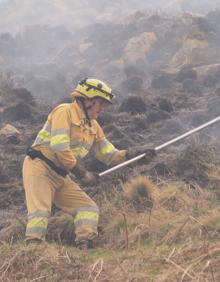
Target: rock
(9, 130)
(10, 134)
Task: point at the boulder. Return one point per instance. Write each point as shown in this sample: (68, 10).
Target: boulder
(10, 134)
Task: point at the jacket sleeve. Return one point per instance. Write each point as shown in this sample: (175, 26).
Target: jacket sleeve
(105, 151)
(60, 137)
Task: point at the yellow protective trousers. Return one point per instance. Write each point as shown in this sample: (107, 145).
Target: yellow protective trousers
(43, 186)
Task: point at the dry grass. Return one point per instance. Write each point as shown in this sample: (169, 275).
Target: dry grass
(141, 192)
(176, 240)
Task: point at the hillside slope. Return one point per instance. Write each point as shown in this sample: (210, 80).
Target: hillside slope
(17, 14)
(163, 226)
(175, 238)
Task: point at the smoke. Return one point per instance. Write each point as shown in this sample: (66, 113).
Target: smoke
(47, 46)
(15, 15)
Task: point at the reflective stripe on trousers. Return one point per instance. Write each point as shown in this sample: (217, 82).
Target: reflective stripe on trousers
(44, 187)
(86, 218)
(37, 224)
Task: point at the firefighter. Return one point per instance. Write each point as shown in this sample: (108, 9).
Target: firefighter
(69, 134)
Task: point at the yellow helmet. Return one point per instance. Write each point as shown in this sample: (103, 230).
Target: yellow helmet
(91, 88)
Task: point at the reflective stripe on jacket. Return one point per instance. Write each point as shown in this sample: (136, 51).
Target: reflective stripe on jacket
(66, 135)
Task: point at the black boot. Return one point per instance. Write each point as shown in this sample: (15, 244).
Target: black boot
(33, 241)
(84, 244)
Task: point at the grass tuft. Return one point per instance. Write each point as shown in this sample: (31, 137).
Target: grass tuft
(141, 191)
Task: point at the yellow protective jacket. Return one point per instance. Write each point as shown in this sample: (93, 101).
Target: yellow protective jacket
(67, 136)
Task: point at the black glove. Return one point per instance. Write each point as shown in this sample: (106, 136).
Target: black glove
(89, 178)
(136, 151)
(86, 177)
(149, 155)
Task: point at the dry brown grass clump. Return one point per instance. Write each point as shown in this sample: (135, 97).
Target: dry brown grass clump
(141, 192)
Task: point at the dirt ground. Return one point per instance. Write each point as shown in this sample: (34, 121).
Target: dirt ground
(169, 234)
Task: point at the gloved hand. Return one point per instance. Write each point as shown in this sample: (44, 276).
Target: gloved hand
(89, 178)
(85, 176)
(136, 151)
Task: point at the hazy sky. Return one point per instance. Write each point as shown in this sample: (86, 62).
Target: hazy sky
(72, 13)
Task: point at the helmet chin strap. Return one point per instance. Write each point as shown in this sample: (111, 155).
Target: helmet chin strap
(86, 109)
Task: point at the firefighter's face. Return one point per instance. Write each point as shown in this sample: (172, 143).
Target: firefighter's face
(96, 106)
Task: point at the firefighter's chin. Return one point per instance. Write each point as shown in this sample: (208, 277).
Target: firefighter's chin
(94, 115)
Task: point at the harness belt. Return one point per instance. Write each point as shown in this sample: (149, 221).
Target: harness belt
(37, 154)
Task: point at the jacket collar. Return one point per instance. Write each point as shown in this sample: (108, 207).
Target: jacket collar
(78, 117)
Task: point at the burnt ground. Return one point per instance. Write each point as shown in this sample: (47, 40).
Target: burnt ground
(187, 175)
(179, 93)
(133, 122)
